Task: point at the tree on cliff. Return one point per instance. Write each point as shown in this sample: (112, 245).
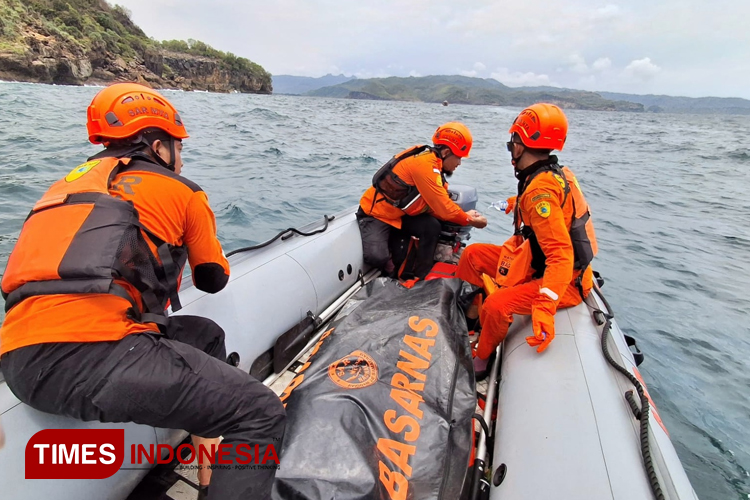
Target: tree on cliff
(83, 41)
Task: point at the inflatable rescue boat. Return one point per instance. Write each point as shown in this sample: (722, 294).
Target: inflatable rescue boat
(380, 377)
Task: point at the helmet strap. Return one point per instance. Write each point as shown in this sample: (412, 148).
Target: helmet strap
(159, 159)
(515, 159)
(171, 154)
(439, 151)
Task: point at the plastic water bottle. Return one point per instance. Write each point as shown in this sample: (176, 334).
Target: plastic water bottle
(500, 205)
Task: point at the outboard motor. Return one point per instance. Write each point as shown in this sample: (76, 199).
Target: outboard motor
(453, 236)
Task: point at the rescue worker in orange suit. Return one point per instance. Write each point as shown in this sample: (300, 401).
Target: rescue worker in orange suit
(409, 193)
(553, 244)
(87, 285)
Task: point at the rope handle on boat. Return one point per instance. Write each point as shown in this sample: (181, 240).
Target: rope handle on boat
(284, 235)
(644, 411)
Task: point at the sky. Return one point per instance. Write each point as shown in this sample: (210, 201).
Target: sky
(674, 47)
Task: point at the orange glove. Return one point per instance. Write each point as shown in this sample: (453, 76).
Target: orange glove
(409, 283)
(511, 204)
(542, 323)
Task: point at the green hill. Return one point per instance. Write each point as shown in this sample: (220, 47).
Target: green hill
(89, 41)
(465, 90)
(698, 105)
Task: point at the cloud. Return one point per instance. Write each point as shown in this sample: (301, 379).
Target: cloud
(368, 39)
(478, 68)
(536, 42)
(587, 81)
(578, 63)
(518, 79)
(602, 64)
(642, 69)
(606, 13)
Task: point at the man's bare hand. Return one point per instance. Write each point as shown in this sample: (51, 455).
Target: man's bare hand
(477, 220)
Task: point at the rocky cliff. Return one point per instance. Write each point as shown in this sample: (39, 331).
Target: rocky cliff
(77, 42)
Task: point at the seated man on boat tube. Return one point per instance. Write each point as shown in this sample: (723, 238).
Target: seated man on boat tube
(409, 193)
(546, 263)
(87, 285)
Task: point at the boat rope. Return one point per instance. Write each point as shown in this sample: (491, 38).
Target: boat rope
(286, 233)
(644, 412)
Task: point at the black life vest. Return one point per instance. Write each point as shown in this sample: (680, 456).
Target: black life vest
(392, 188)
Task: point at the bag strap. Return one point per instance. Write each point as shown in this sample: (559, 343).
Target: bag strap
(170, 268)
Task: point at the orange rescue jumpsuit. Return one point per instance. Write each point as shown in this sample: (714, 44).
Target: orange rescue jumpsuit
(551, 226)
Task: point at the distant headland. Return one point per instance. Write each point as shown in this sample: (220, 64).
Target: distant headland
(466, 90)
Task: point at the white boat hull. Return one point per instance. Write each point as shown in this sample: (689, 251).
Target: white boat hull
(564, 428)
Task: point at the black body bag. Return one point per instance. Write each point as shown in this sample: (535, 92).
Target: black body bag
(383, 408)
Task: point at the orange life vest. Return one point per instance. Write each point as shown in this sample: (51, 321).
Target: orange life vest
(514, 264)
(80, 239)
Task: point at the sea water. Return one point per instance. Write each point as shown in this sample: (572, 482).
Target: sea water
(669, 196)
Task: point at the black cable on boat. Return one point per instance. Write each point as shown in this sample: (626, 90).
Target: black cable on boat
(480, 418)
(645, 444)
(286, 233)
(633, 405)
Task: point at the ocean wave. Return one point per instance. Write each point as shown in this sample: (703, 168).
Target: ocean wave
(232, 214)
(362, 159)
(742, 155)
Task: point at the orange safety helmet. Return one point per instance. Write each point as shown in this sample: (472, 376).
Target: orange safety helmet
(124, 109)
(456, 136)
(541, 126)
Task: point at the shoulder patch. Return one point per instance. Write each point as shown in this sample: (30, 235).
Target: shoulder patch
(81, 170)
(540, 197)
(543, 209)
(439, 180)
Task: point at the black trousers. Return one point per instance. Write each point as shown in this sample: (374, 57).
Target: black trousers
(376, 236)
(179, 380)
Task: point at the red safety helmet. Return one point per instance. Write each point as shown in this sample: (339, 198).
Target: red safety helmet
(456, 136)
(124, 109)
(541, 126)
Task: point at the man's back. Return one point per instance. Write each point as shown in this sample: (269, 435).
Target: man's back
(175, 210)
